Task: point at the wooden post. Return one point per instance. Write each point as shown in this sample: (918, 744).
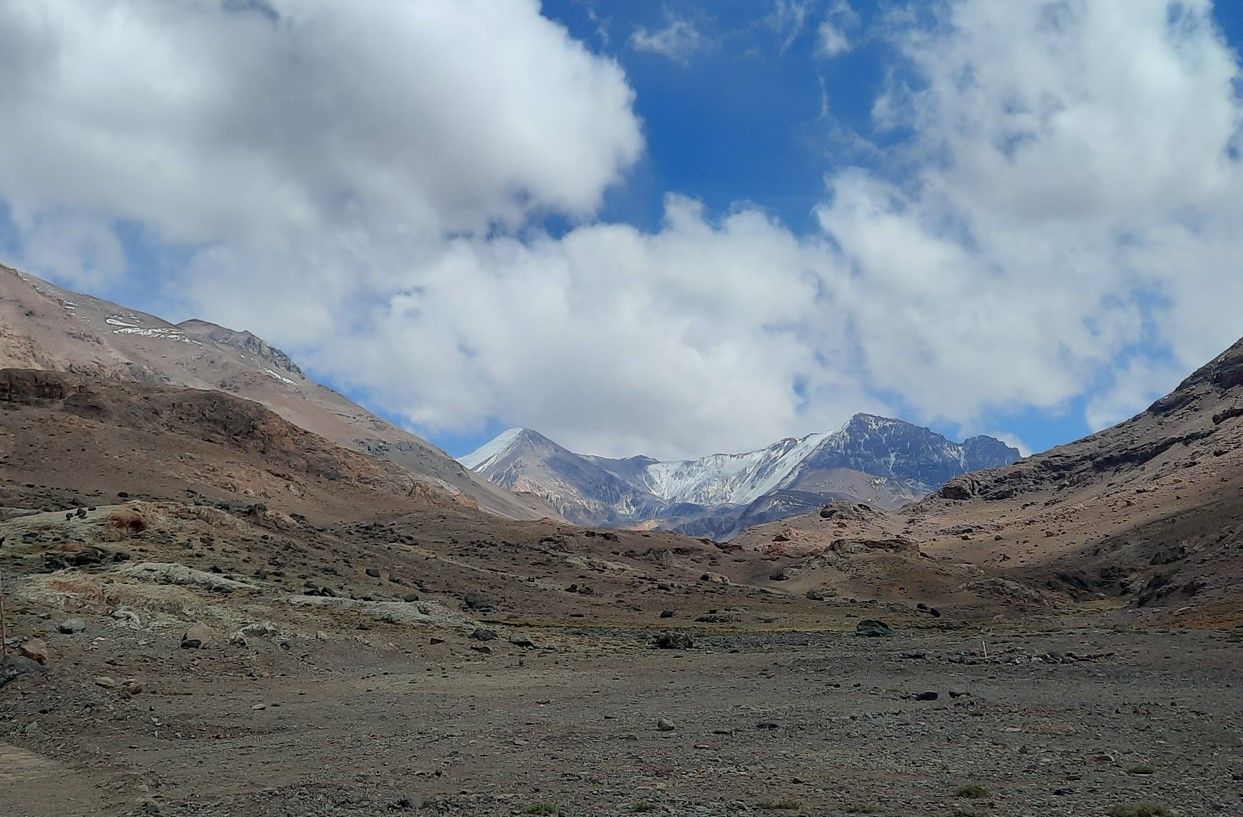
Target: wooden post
(4, 626)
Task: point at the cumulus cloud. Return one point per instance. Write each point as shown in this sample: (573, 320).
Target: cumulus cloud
(1064, 208)
(365, 183)
(678, 40)
(243, 121)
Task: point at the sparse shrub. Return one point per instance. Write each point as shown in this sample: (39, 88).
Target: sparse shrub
(1144, 809)
(783, 804)
(1141, 768)
(541, 808)
(973, 791)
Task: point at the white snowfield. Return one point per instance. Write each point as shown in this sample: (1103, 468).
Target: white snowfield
(731, 479)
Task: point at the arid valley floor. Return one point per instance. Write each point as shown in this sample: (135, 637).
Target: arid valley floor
(500, 691)
(229, 591)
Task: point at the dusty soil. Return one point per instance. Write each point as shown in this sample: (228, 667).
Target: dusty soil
(363, 722)
(383, 698)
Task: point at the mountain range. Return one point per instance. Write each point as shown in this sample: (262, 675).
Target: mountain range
(876, 460)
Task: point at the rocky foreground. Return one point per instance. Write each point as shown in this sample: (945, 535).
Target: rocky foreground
(366, 717)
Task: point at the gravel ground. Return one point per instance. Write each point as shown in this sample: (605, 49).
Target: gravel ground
(1073, 722)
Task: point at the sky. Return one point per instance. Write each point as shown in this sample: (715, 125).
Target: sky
(674, 228)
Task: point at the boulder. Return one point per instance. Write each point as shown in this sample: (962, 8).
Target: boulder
(35, 649)
(71, 625)
(873, 628)
(197, 637)
(13, 667)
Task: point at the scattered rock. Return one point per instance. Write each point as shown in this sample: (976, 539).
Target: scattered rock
(373, 572)
(523, 641)
(127, 616)
(131, 686)
(13, 667)
(197, 637)
(872, 628)
(664, 725)
(477, 600)
(71, 625)
(673, 641)
(769, 726)
(927, 696)
(668, 613)
(483, 634)
(35, 649)
(106, 682)
(959, 693)
(407, 802)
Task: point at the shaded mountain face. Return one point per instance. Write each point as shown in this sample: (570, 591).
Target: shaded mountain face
(45, 327)
(871, 459)
(1149, 512)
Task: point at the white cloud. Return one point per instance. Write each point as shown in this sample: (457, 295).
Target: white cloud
(237, 122)
(831, 41)
(678, 40)
(1066, 208)
(831, 38)
(84, 252)
(611, 340)
(787, 20)
(359, 181)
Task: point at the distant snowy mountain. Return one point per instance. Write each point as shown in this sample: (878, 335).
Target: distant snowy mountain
(876, 460)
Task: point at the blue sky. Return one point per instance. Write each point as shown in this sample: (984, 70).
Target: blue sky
(671, 228)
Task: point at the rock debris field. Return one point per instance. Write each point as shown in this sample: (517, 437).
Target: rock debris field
(1082, 720)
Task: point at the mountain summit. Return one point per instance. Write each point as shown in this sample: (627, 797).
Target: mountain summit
(877, 460)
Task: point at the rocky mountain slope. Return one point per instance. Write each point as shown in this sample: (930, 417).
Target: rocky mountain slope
(875, 460)
(1148, 512)
(43, 326)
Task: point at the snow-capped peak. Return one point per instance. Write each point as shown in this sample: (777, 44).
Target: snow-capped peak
(482, 456)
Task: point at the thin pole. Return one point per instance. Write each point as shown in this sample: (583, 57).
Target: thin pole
(4, 626)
